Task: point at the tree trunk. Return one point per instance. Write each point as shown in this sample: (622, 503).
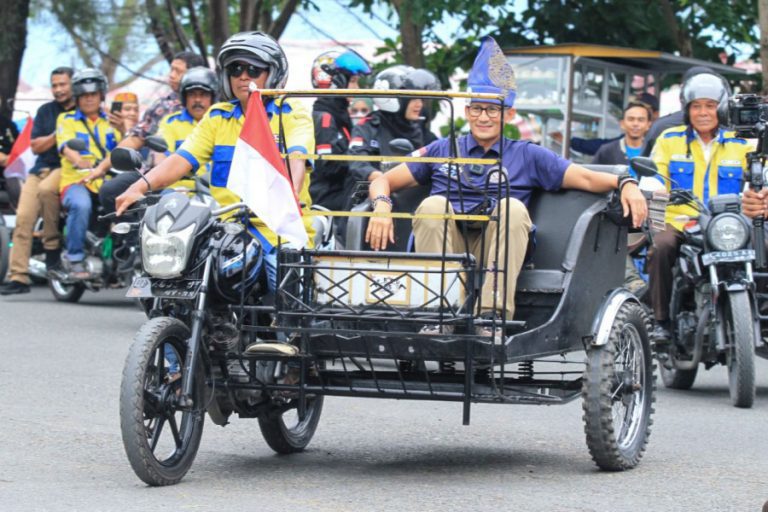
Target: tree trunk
(181, 37)
(247, 15)
(197, 30)
(277, 28)
(410, 34)
(219, 12)
(158, 29)
(680, 36)
(13, 42)
(762, 11)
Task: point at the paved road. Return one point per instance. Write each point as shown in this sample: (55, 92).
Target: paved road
(60, 445)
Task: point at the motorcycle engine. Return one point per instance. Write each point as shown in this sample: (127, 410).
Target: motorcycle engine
(686, 328)
(94, 265)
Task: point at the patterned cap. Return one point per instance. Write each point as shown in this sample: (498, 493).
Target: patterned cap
(492, 74)
(126, 97)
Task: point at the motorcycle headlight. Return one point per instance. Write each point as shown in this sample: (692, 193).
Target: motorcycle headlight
(163, 254)
(728, 232)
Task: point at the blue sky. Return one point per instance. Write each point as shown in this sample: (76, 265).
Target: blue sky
(48, 46)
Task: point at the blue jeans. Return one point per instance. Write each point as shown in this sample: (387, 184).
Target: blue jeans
(77, 201)
(270, 266)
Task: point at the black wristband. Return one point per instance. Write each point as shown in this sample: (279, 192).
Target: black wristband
(149, 186)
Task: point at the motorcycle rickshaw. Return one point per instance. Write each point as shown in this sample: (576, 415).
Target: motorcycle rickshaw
(350, 323)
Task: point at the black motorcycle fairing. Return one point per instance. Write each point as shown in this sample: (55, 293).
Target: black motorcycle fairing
(181, 210)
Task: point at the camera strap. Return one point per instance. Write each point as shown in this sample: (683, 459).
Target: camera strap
(95, 140)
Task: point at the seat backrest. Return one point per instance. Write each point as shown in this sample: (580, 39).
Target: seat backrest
(555, 214)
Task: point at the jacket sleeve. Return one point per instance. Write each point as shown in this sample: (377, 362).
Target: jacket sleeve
(363, 135)
(330, 141)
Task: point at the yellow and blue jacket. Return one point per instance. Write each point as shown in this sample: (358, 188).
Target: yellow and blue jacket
(679, 156)
(213, 140)
(174, 128)
(72, 125)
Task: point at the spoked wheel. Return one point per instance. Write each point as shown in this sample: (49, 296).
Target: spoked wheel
(5, 250)
(282, 429)
(160, 438)
(618, 392)
(66, 292)
(739, 334)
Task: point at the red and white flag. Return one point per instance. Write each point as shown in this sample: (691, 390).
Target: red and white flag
(258, 175)
(21, 158)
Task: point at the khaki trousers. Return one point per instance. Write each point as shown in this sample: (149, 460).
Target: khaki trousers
(39, 196)
(428, 234)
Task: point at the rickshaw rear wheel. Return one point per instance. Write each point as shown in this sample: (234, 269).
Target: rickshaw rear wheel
(618, 392)
(160, 438)
(284, 432)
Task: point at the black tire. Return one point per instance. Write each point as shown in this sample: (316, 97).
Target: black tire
(284, 433)
(147, 405)
(678, 379)
(617, 444)
(66, 292)
(739, 334)
(5, 251)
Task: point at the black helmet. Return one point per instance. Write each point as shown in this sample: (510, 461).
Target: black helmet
(89, 80)
(390, 79)
(255, 48)
(228, 278)
(198, 78)
(708, 86)
(333, 69)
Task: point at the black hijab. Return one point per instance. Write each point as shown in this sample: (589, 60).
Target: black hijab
(337, 107)
(399, 127)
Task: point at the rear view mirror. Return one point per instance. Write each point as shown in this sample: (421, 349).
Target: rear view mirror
(401, 147)
(156, 143)
(76, 145)
(644, 166)
(126, 159)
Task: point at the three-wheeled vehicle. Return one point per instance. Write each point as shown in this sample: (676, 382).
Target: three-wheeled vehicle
(351, 323)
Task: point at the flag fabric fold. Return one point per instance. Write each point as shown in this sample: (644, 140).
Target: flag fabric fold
(259, 176)
(21, 158)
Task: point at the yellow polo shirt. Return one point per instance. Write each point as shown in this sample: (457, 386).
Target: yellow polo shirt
(71, 125)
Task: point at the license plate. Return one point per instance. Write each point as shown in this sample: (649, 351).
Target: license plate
(728, 256)
(144, 287)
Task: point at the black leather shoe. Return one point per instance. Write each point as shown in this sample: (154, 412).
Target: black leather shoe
(14, 288)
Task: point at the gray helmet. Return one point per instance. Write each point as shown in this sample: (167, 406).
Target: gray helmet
(706, 86)
(89, 80)
(422, 79)
(255, 48)
(198, 78)
(390, 79)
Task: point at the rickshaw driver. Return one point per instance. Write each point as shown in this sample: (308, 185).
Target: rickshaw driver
(244, 58)
(527, 166)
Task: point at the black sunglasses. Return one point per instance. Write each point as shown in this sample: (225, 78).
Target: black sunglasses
(236, 69)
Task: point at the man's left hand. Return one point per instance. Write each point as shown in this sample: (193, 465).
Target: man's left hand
(116, 121)
(633, 202)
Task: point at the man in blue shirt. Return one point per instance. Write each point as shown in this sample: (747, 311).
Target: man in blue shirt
(527, 167)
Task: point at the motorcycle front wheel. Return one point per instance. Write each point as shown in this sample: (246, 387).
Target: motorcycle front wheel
(618, 392)
(739, 336)
(160, 438)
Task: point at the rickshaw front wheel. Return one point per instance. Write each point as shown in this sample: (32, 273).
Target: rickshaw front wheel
(618, 392)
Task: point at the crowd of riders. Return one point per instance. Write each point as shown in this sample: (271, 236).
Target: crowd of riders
(201, 116)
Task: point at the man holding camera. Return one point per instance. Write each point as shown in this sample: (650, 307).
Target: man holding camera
(700, 156)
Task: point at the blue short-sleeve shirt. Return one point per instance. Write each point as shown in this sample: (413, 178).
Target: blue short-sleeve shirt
(527, 166)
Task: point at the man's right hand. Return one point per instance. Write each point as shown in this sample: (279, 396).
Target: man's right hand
(126, 199)
(754, 204)
(380, 230)
(93, 175)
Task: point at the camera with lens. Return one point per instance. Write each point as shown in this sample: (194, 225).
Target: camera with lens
(747, 115)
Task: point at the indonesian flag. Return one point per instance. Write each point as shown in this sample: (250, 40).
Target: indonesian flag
(258, 175)
(21, 158)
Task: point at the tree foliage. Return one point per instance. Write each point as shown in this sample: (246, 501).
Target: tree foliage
(13, 38)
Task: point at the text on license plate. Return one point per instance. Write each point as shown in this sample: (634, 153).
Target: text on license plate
(728, 256)
(144, 287)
